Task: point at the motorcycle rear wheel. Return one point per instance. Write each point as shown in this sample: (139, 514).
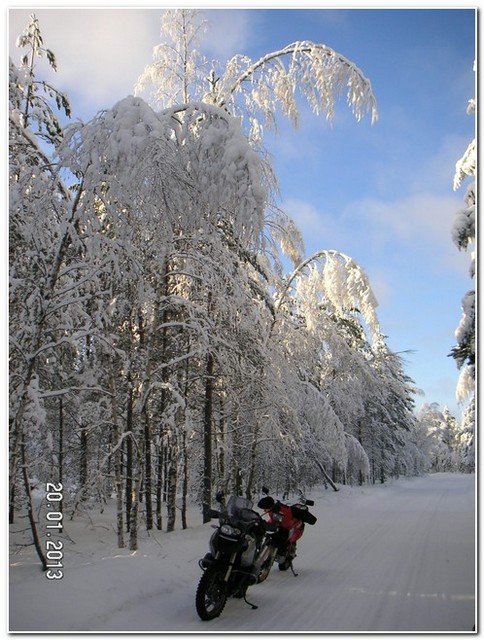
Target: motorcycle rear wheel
(290, 555)
(266, 568)
(284, 566)
(211, 594)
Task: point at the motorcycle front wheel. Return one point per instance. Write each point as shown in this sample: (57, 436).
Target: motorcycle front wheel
(211, 594)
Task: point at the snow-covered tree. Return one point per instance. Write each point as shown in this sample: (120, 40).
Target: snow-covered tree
(50, 270)
(339, 350)
(174, 253)
(463, 235)
(254, 92)
(441, 442)
(467, 462)
(425, 436)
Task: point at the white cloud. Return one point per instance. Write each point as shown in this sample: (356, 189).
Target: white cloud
(420, 222)
(100, 52)
(321, 227)
(229, 32)
(417, 223)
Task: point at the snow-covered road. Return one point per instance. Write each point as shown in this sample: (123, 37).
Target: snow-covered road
(397, 557)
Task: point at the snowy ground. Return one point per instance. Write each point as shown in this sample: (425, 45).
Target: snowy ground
(397, 557)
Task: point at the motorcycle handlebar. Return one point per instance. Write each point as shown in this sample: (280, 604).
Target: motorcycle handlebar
(269, 503)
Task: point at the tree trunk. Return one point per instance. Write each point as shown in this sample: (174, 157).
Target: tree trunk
(61, 440)
(184, 449)
(185, 480)
(14, 444)
(118, 462)
(207, 441)
(238, 482)
(166, 455)
(159, 486)
(61, 448)
(83, 463)
(326, 476)
(171, 492)
(129, 455)
(148, 478)
(11, 506)
(133, 516)
(221, 445)
(250, 479)
(30, 510)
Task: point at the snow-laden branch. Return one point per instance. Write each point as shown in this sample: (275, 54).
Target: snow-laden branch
(317, 71)
(340, 282)
(466, 166)
(68, 390)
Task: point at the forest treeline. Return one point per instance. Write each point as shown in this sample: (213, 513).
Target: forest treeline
(159, 350)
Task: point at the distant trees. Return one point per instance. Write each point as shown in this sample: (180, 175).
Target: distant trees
(438, 442)
(157, 350)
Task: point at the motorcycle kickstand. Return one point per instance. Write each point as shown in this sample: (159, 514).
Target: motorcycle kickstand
(293, 572)
(254, 606)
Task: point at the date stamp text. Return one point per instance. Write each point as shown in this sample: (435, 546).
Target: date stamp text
(54, 548)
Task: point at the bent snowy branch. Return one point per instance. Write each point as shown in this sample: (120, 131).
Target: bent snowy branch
(317, 71)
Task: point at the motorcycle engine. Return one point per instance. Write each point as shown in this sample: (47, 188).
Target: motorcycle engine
(247, 557)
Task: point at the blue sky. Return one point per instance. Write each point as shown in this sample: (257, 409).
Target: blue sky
(380, 193)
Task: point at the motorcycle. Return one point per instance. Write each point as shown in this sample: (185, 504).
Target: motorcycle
(240, 555)
(291, 520)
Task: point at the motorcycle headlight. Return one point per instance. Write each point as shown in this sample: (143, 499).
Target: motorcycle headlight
(228, 530)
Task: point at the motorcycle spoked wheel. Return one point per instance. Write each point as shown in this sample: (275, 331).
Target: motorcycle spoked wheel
(265, 569)
(211, 593)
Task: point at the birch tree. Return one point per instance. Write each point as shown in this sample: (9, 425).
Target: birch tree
(49, 268)
(254, 91)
